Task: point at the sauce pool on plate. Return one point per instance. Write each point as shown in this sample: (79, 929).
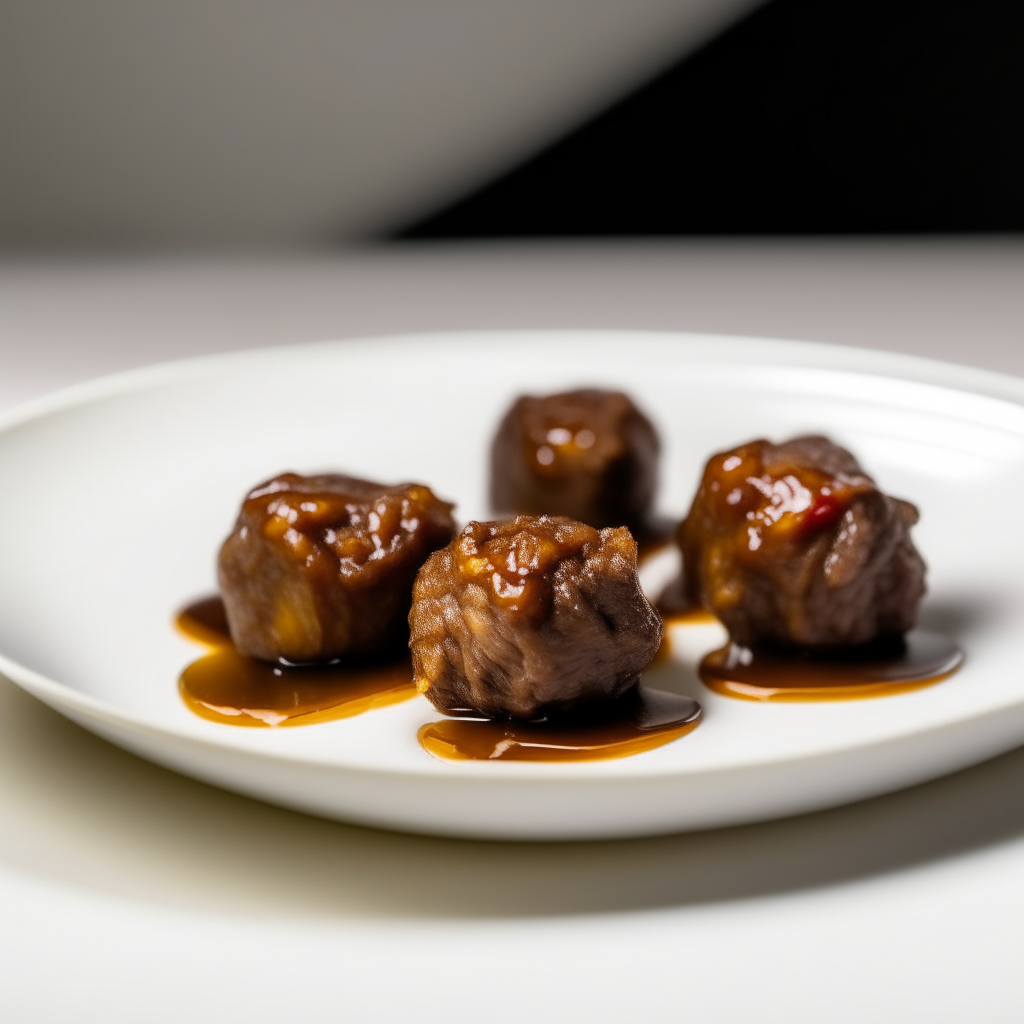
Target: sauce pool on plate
(227, 687)
(918, 660)
(641, 720)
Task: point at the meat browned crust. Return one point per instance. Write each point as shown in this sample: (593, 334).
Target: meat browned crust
(590, 455)
(320, 567)
(531, 617)
(794, 545)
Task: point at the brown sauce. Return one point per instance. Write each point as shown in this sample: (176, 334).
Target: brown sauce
(205, 621)
(225, 686)
(654, 536)
(642, 720)
(677, 609)
(922, 659)
(692, 615)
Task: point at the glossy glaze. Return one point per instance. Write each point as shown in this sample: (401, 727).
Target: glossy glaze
(922, 659)
(642, 720)
(321, 567)
(227, 687)
(590, 454)
(530, 618)
(794, 546)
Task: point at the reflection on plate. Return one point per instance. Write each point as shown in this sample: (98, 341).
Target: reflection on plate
(119, 492)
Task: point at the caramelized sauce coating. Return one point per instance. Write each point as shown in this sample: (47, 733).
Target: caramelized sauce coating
(321, 567)
(640, 720)
(531, 617)
(794, 546)
(590, 455)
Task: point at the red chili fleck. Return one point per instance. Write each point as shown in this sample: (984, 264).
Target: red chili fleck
(825, 510)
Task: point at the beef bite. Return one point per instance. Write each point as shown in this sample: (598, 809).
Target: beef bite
(794, 546)
(590, 455)
(322, 567)
(531, 617)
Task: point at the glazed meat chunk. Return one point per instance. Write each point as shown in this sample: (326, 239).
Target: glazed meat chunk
(590, 455)
(793, 545)
(531, 617)
(320, 567)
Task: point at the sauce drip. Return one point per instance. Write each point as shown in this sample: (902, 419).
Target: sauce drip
(920, 660)
(641, 720)
(225, 686)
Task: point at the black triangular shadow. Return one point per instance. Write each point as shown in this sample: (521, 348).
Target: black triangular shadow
(809, 116)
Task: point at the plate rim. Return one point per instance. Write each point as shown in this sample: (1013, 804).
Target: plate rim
(778, 352)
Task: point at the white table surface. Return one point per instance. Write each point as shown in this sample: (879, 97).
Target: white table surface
(128, 893)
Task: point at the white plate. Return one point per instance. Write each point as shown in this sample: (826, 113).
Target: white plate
(117, 494)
